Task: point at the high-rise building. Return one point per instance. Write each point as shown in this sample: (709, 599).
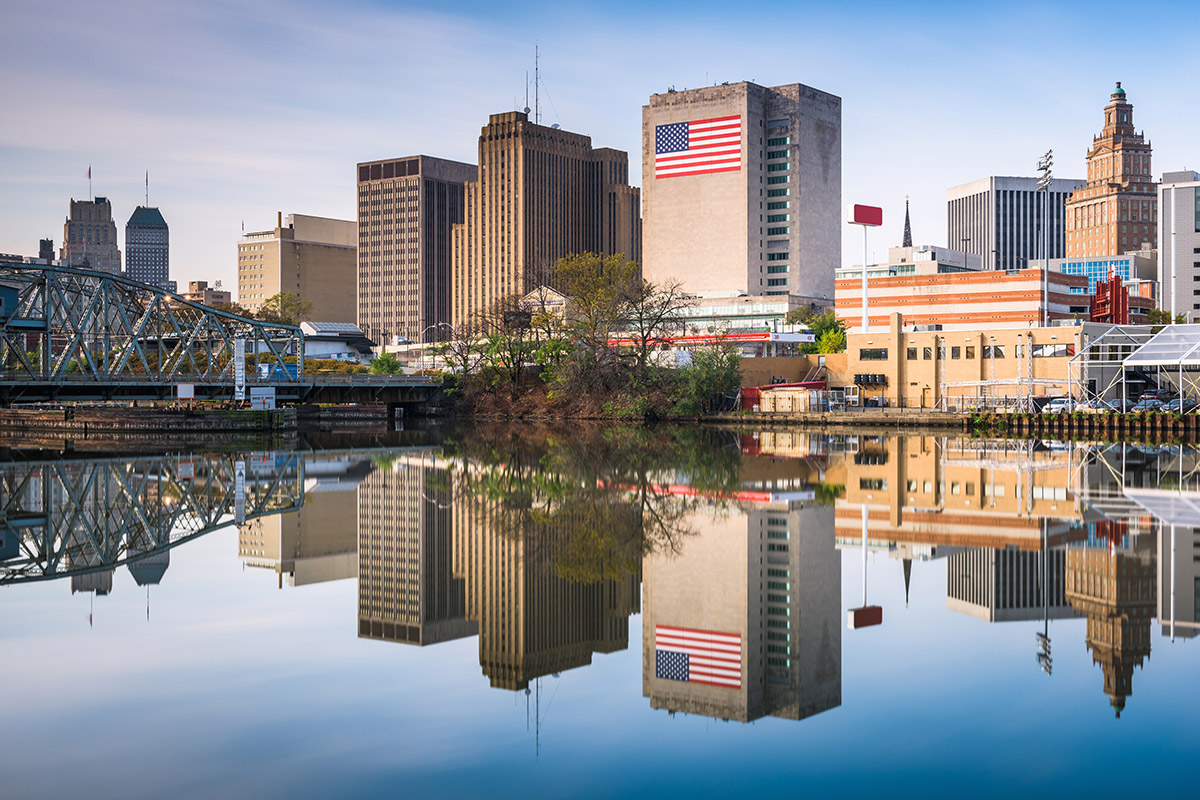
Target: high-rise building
(313, 257)
(147, 248)
(533, 620)
(1117, 210)
(743, 189)
(1115, 589)
(1007, 585)
(90, 237)
(1000, 219)
(46, 250)
(406, 209)
(766, 575)
(1179, 243)
(201, 292)
(407, 591)
(543, 193)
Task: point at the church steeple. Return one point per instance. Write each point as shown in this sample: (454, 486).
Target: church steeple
(907, 227)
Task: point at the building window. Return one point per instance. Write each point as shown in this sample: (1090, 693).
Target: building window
(779, 166)
(970, 352)
(777, 282)
(784, 257)
(993, 351)
(911, 354)
(779, 141)
(776, 123)
(776, 268)
(777, 192)
(955, 352)
(777, 179)
(778, 204)
(777, 154)
(873, 354)
(873, 484)
(778, 217)
(778, 231)
(927, 353)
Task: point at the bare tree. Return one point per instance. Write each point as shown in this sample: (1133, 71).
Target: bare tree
(652, 312)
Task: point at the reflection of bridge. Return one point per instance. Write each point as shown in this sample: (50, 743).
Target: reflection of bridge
(60, 518)
(71, 334)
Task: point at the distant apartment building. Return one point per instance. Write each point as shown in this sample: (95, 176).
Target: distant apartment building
(1179, 243)
(1000, 219)
(201, 292)
(148, 248)
(1117, 210)
(407, 208)
(90, 237)
(742, 189)
(313, 257)
(933, 286)
(542, 193)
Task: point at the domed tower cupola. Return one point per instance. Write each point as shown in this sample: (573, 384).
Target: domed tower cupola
(1118, 114)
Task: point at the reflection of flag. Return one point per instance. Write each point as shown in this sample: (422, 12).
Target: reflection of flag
(695, 148)
(695, 656)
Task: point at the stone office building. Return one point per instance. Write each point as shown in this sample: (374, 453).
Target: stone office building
(743, 189)
(313, 257)
(90, 237)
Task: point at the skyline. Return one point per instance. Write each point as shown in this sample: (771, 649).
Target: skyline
(238, 114)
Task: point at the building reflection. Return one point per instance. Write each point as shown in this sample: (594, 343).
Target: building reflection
(533, 620)
(762, 568)
(319, 542)
(1114, 587)
(407, 590)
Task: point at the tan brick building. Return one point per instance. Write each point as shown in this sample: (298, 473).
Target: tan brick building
(1117, 210)
(543, 193)
(314, 257)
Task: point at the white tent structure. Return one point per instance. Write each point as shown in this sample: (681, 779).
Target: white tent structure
(1176, 350)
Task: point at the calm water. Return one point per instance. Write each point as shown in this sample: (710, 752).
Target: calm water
(591, 612)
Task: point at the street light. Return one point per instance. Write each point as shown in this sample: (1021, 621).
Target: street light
(424, 347)
(1043, 184)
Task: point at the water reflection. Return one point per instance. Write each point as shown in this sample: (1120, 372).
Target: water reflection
(542, 543)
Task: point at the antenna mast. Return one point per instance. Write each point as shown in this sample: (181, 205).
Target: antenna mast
(537, 105)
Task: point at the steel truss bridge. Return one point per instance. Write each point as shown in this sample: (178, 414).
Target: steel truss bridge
(77, 518)
(81, 335)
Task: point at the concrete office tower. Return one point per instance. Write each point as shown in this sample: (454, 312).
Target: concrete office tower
(147, 248)
(768, 573)
(1006, 585)
(542, 194)
(999, 219)
(1118, 208)
(407, 591)
(1179, 243)
(314, 257)
(90, 237)
(406, 209)
(743, 189)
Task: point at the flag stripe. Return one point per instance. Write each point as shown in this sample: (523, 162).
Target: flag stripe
(711, 658)
(698, 147)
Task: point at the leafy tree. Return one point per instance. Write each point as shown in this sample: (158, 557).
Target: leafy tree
(596, 287)
(1163, 317)
(508, 343)
(234, 308)
(285, 308)
(832, 341)
(714, 374)
(386, 364)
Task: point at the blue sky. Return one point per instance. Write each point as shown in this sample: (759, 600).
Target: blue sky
(241, 110)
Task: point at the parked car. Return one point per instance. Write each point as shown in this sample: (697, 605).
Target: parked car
(1120, 404)
(1057, 405)
(1095, 407)
(1181, 405)
(1147, 404)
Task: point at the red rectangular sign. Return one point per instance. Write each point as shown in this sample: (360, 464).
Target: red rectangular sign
(864, 617)
(866, 215)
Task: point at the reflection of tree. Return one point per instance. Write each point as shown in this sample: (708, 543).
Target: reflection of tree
(590, 501)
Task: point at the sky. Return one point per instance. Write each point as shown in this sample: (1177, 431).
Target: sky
(240, 110)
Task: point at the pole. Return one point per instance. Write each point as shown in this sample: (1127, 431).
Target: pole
(865, 319)
(1173, 573)
(1174, 285)
(864, 552)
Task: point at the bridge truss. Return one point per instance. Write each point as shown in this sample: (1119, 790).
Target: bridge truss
(60, 325)
(73, 518)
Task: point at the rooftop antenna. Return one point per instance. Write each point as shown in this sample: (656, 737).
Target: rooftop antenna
(537, 105)
(147, 188)
(526, 92)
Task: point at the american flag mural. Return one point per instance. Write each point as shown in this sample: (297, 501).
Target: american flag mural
(698, 147)
(696, 656)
